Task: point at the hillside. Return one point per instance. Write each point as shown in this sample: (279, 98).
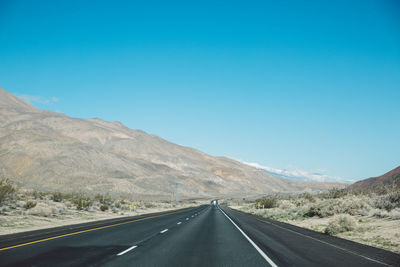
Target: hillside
(51, 151)
(388, 178)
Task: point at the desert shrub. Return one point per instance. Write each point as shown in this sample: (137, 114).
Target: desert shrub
(394, 197)
(340, 224)
(286, 205)
(21, 196)
(357, 192)
(308, 196)
(313, 211)
(57, 196)
(352, 204)
(103, 199)
(300, 202)
(392, 214)
(30, 204)
(322, 209)
(82, 202)
(268, 203)
(336, 193)
(7, 190)
(364, 212)
(103, 207)
(380, 213)
(38, 195)
(388, 201)
(149, 205)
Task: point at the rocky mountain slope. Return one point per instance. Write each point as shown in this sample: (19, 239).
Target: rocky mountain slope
(51, 151)
(391, 177)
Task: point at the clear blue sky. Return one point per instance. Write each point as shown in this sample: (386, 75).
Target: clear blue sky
(313, 85)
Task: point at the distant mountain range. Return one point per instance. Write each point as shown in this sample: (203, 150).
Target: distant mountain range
(50, 151)
(391, 177)
(298, 175)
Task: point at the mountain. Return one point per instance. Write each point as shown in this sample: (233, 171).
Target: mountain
(297, 175)
(391, 177)
(50, 151)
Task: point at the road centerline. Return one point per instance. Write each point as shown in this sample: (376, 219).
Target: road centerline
(89, 230)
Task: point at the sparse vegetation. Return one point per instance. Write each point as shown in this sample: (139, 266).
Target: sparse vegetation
(336, 193)
(103, 207)
(308, 197)
(30, 204)
(7, 190)
(38, 195)
(314, 211)
(149, 205)
(350, 214)
(23, 209)
(82, 203)
(57, 196)
(340, 224)
(103, 199)
(267, 203)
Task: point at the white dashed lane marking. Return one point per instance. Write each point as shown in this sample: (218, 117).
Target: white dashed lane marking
(125, 251)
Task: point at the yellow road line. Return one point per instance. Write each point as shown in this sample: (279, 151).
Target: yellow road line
(88, 230)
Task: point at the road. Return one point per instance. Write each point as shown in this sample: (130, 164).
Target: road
(202, 236)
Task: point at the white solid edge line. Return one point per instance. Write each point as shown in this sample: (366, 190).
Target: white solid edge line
(251, 241)
(323, 242)
(163, 231)
(125, 251)
(178, 223)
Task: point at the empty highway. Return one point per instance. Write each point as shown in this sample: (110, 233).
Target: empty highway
(203, 236)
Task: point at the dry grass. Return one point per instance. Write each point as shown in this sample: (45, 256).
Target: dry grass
(372, 218)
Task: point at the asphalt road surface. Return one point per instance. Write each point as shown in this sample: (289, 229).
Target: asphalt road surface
(203, 236)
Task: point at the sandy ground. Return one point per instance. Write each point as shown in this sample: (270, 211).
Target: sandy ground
(378, 232)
